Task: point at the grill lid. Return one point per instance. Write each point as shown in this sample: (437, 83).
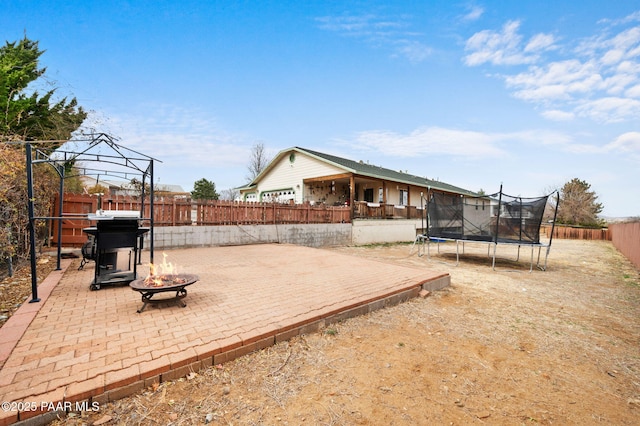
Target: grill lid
(114, 214)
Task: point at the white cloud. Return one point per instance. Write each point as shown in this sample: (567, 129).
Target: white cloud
(505, 47)
(429, 141)
(598, 77)
(609, 109)
(633, 92)
(392, 33)
(474, 13)
(558, 80)
(496, 48)
(414, 50)
(540, 42)
(626, 143)
(540, 137)
(619, 83)
(635, 16)
(627, 42)
(356, 25)
(612, 57)
(179, 135)
(557, 115)
(628, 67)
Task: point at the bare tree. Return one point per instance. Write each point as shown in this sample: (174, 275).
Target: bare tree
(257, 161)
(230, 194)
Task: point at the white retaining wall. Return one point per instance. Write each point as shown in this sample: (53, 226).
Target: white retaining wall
(312, 235)
(370, 231)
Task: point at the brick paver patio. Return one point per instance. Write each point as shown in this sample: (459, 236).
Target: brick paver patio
(79, 345)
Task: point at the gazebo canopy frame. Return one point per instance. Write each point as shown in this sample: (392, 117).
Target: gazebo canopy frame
(122, 162)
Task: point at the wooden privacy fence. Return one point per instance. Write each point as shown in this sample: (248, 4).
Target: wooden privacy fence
(572, 233)
(626, 238)
(243, 213)
(178, 212)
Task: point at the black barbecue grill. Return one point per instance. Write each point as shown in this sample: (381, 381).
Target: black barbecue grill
(115, 246)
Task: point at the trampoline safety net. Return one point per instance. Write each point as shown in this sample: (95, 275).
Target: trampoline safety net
(498, 218)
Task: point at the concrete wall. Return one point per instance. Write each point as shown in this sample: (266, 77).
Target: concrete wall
(361, 232)
(370, 231)
(311, 235)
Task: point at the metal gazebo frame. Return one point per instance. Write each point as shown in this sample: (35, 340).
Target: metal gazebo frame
(120, 158)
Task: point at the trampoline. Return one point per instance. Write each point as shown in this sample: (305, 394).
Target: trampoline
(494, 219)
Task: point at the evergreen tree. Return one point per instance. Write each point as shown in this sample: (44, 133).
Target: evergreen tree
(25, 114)
(204, 189)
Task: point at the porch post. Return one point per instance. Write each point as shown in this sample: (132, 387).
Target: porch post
(384, 192)
(352, 192)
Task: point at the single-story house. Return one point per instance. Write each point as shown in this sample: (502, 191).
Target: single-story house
(300, 175)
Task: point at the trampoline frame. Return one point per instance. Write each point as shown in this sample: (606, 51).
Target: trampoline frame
(423, 240)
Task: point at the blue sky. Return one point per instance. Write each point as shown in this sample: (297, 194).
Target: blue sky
(528, 94)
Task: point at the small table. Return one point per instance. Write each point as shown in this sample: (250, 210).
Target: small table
(177, 283)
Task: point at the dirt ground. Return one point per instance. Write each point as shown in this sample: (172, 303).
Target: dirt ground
(496, 347)
(16, 289)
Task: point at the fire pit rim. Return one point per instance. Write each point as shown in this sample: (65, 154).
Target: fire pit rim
(139, 284)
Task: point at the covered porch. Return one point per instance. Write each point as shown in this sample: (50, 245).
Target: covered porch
(368, 196)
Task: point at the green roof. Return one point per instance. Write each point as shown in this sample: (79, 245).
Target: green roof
(378, 172)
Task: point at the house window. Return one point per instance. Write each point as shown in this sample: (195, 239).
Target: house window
(368, 195)
(380, 195)
(404, 197)
(280, 196)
